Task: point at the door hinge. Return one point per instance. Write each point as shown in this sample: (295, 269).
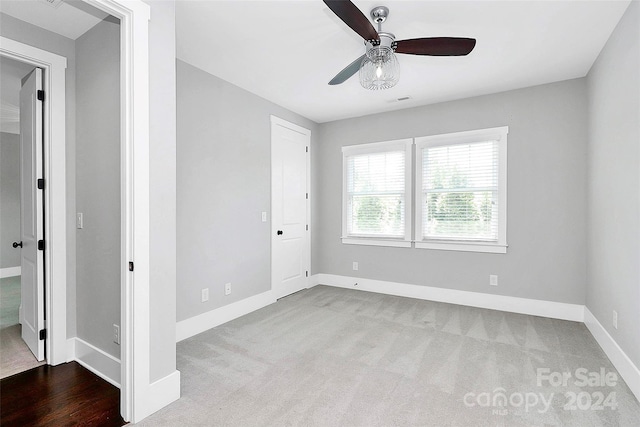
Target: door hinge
(130, 265)
(306, 274)
(43, 334)
(306, 149)
(307, 196)
(41, 245)
(40, 184)
(307, 227)
(40, 95)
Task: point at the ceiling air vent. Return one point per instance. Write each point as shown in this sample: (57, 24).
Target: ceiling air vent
(404, 98)
(53, 3)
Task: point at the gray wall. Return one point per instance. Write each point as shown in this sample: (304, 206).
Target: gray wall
(9, 199)
(29, 34)
(614, 184)
(224, 174)
(546, 233)
(98, 184)
(162, 197)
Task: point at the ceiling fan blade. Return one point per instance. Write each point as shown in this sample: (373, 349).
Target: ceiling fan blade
(353, 17)
(347, 72)
(437, 46)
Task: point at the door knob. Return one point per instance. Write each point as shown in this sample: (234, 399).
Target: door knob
(279, 232)
(16, 244)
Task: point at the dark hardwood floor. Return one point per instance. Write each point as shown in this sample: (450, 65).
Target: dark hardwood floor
(63, 395)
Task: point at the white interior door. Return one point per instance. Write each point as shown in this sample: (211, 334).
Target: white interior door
(290, 260)
(32, 280)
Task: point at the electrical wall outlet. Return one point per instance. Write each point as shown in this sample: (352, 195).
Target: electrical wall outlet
(79, 220)
(227, 289)
(204, 295)
(615, 319)
(493, 280)
(355, 265)
(116, 334)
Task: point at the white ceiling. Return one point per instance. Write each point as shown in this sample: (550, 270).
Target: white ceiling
(71, 19)
(287, 51)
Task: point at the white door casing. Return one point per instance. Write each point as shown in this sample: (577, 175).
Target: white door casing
(31, 217)
(290, 251)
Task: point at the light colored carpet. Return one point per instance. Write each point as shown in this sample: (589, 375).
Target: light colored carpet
(9, 300)
(15, 356)
(337, 357)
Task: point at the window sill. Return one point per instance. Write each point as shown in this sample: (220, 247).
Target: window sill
(463, 246)
(376, 242)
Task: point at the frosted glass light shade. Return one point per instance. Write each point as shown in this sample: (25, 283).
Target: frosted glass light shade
(379, 69)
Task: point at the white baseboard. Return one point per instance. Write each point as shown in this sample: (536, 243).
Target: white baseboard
(10, 272)
(625, 366)
(159, 394)
(556, 310)
(197, 324)
(97, 361)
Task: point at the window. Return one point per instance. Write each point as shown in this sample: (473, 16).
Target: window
(461, 198)
(377, 194)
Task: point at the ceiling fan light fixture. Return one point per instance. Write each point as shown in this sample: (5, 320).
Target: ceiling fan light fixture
(379, 68)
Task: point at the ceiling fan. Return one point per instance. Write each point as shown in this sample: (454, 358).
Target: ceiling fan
(378, 67)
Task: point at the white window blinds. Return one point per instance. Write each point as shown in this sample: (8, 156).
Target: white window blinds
(460, 194)
(376, 194)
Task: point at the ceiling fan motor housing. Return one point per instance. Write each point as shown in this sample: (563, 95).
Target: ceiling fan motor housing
(386, 40)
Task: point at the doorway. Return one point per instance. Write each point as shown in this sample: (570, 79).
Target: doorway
(290, 237)
(141, 394)
(22, 344)
(82, 171)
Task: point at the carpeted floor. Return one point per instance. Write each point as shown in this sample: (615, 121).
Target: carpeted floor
(15, 356)
(337, 357)
(9, 300)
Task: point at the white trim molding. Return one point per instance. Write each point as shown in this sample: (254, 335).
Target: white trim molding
(55, 192)
(625, 366)
(97, 361)
(205, 321)
(10, 272)
(555, 310)
(138, 397)
(159, 394)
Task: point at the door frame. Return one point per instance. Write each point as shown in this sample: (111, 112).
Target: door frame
(55, 198)
(277, 121)
(136, 401)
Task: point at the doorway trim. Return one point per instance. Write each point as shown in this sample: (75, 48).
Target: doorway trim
(55, 198)
(137, 400)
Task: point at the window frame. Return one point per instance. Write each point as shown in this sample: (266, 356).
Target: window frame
(498, 134)
(371, 148)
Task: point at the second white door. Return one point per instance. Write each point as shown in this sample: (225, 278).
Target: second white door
(31, 223)
(290, 251)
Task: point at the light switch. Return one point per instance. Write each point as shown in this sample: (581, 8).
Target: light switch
(79, 220)
(264, 217)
